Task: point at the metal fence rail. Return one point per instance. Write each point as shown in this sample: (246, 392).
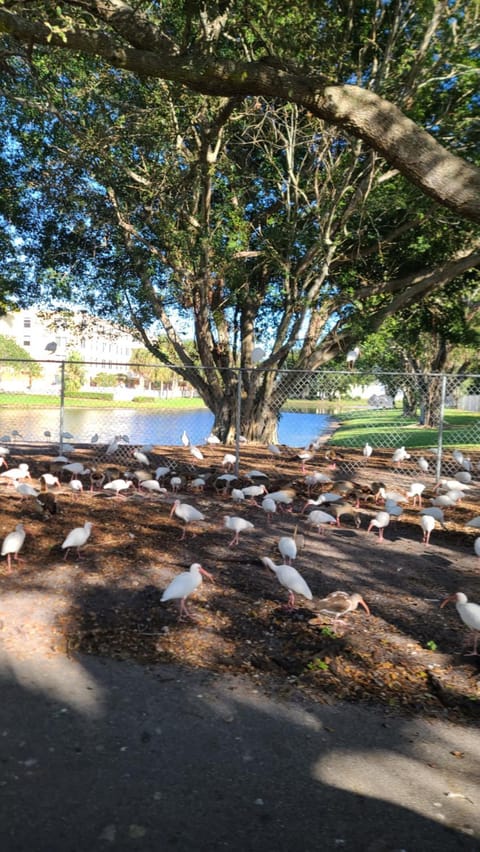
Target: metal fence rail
(38, 408)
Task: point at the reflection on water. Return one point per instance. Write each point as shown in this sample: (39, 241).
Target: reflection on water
(143, 427)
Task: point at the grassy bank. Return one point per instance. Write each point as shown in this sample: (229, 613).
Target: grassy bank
(26, 400)
(461, 429)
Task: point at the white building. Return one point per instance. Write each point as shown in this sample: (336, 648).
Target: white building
(107, 347)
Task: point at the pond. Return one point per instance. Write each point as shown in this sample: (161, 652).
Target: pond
(143, 427)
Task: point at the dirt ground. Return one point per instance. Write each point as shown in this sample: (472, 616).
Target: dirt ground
(408, 654)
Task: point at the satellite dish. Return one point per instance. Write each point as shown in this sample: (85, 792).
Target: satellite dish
(51, 347)
(258, 355)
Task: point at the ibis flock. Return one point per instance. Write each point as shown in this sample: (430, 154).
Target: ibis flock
(311, 501)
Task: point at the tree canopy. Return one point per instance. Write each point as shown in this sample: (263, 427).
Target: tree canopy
(261, 173)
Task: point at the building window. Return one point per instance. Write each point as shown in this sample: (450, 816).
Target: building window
(26, 341)
(27, 322)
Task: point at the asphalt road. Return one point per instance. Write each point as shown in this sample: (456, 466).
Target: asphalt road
(101, 755)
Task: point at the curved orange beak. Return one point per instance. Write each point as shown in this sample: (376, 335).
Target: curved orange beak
(206, 574)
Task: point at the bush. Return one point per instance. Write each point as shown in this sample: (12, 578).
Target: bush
(89, 395)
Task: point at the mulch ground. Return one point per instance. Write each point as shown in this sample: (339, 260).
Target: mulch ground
(408, 654)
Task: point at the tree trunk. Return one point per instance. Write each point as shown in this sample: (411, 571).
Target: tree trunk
(432, 400)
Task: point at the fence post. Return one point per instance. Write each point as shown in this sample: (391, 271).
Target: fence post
(62, 407)
(443, 394)
(238, 421)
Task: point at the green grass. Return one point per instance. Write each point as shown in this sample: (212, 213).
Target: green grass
(461, 428)
(22, 400)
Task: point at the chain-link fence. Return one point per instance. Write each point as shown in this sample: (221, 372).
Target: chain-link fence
(59, 405)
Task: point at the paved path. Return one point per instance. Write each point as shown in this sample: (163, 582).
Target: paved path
(102, 755)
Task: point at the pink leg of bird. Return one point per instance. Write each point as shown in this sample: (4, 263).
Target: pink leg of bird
(184, 611)
(235, 540)
(426, 537)
(17, 559)
(473, 652)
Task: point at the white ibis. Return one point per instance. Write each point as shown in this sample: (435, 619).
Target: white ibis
(212, 439)
(427, 523)
(141, 457)
(197, 484)
(304, 456)
(13, 474)
(77, 538)
(367, 450)
(237, 495)
(338, 604)
(229, 461)
(449, 484)
(12, 544)
(415, 492)
(319, 517)
(254, 475)
(117, 486)
(443, 501)
(196, 453)
(470, 615)
(352, 357)
(287, 546)
(76, 486)
(162, 471)
(269, 507)
(457, 456)
(152, 486)
(25, 490)
(386, 494)
(274, 449)
(473, 522)
(94, 438)
(400, 455)
(75, 468)
(393, 509)
(476, 546)
(326, 497)
(50, 480)
(253, 491)
(463, 476)
(185, 439)
(176, 483)
(225, 481)
(188, 514)
(183, 585)
(423, 464)
(291, 579)
(236, 525)
(381, 521)
(284, 497)
(437, 513)
(454, 494)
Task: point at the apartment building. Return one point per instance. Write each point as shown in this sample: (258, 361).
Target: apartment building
(97, 341)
